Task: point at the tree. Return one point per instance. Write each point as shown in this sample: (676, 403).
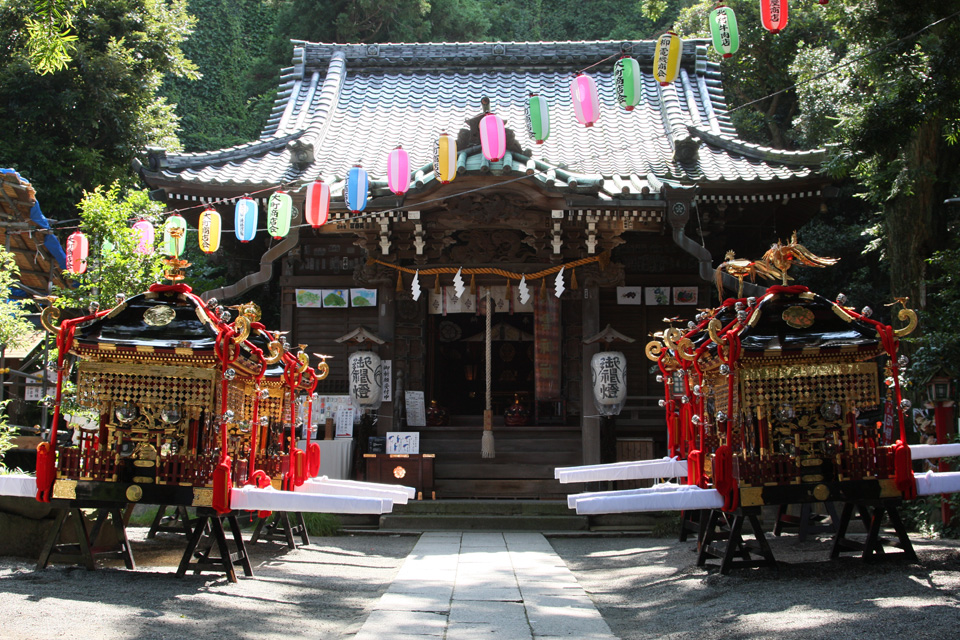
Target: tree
(227, 107)
(114, 266)
(14, 326)
(74, 129)
(50, 41)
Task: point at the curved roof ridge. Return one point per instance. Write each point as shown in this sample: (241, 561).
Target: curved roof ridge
(760, 152)
(562, 53)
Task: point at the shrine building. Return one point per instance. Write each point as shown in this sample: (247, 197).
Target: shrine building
(626, 218)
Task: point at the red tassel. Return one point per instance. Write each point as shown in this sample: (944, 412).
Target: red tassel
(46, 471)
(903, 469)
(313, 459)
(221, 487)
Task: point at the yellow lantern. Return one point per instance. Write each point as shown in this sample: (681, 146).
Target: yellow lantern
(445, 158)
(666, 58)
(208, 231)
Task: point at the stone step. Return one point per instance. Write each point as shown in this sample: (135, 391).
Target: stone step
(487, 522)
(484, 507)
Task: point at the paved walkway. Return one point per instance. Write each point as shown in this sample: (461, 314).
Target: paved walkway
(460, 586)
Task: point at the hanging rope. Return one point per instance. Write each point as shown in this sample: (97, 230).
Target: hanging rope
(602, 259)
(486, 444)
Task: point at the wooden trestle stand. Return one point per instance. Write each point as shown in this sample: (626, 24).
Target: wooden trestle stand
(198, 555)
(279, 528)
(871, 513)
(85, 551)
(723, 539)
(178, 522)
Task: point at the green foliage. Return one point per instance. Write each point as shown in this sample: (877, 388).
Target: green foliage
(7, 433)
(106, 216)
(224, 108)
(322, 524)
(14, 327)
(81, 126)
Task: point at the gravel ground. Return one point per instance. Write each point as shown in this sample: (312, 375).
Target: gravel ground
(324, 590)
(652, 588)
(643, 587)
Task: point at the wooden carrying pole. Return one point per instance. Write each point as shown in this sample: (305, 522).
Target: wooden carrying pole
(486, 443)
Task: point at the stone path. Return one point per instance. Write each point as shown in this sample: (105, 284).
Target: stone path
(460, 586)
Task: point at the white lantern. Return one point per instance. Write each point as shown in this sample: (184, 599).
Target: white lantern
(366, 379)
(609, 373)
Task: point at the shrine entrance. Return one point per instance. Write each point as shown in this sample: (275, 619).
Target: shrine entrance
(458, 380)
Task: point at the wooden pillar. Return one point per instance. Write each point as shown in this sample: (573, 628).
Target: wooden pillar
(589, 423)
(386, 296)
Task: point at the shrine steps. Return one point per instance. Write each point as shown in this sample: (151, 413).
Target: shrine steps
(523, 467)
(546, 516)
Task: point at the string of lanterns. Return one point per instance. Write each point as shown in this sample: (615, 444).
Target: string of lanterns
(583, 91)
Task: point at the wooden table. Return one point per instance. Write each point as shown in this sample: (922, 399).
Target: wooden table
(410, 469)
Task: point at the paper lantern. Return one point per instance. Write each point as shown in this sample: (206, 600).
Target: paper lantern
(609, 372)
(245, 219)
(666, 58)
(538, 118)
(208, 231)
(279, 210)
(774, 14)
(144, 235)
(629, 81)
(317, 204)
(355, 193)
(366, 379)
(445, 158)
(493, 137)
(174, 236)
(107, 246)
(398, 171)
(78, 248)
(723, 28)
(586, 102)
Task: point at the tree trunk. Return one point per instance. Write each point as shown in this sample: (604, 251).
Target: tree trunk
(915, 220)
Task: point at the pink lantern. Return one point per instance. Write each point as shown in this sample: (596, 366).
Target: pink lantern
(78, 248)
(317, 204)
(586, 103)
(493, 137)
(773, 15)
(144, 235)
(398, 171)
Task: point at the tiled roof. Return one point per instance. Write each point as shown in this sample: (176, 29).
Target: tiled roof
(350, 104)
(35, 248)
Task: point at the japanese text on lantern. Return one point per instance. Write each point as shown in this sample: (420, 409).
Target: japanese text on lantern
(360, 375)
(609, 377)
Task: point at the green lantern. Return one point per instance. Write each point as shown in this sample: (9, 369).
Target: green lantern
(629, 82)
(538, 118)
(174, 236)
(723, 28)
(279, 210)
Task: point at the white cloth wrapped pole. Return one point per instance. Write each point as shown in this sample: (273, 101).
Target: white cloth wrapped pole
(926, 451)
(635, 470)
(409, 491)
(254, 499)
(397, 495)
(685, 498)
(18, 484)
(657, 488)
(931, 483)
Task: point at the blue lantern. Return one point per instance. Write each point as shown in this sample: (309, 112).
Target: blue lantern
(245, 219)
(355, 193)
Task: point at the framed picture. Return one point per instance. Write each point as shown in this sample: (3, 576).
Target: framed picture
(403, 442)
(655, 295)
(629, 295)
(363, 297)
(334, 298)
(309, 298)
(685, 295)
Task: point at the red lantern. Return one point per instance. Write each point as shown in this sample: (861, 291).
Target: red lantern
(773, 15)
(317, 204)
(78, 248)
(493, 137)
